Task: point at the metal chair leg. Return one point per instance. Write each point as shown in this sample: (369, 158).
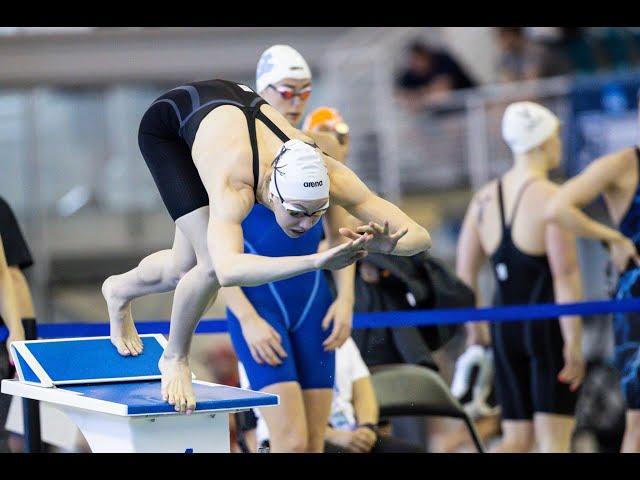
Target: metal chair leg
(473, 433)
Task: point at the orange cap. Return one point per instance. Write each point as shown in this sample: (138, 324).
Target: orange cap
(321, 117)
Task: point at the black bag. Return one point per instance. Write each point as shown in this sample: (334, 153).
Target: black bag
(432, 286)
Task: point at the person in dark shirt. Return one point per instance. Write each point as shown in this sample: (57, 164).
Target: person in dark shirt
(15, 298)
(430, 77)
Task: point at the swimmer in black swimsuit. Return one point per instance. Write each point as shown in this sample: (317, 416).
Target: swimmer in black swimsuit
(212, 148)
(538, 363)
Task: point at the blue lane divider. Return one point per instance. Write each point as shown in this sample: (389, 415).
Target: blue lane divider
(404, 318)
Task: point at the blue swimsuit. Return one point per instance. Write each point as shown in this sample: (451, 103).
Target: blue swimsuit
(627, 325)
(295, 307)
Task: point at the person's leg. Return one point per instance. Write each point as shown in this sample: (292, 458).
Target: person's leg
(631, 440)
(316, 367)
(21, 288)
(317, 406)
(287, 422)
(553, 432)
(192, 295)
(517, 437)
(156, 273)
(553, 402)
(628, 363)
(513, 388)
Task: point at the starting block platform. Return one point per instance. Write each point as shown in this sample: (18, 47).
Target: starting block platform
(116, 401)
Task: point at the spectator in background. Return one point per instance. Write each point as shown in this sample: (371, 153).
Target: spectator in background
(353, 424)
(430, 77)
(15, 302)
(523, 59)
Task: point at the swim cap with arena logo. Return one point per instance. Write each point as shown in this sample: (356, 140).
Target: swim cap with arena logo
(279, 62)
(526, 125)
(299, 173)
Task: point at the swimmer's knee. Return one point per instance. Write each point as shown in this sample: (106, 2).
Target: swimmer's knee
(209, 273)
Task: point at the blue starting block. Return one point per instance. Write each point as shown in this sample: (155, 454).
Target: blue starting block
(116, 401)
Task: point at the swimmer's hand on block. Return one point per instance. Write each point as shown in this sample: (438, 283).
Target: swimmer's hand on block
(382, 240)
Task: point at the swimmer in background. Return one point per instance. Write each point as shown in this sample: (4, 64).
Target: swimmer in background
(538, 364)
(616, 177)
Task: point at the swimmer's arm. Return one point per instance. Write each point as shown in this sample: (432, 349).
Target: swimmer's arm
(365, 405)
(330, 145)
(470, 256)
(232, 266)
(350, 192)
(8, 299)
(238, 303)
(564, 209)
(567, 282)
(344, 278)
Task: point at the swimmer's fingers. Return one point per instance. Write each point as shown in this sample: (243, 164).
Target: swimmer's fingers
(572, 374)
(399, 234)
(256, 356)
(361, 242)
(268, 354)
(348, 233)
(337, 337)
(374, 227)
(326, 321)
(365, 229)
(276, 346)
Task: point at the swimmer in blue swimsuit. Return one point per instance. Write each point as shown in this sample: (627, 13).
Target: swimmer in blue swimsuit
(617, 178)
(280, 330)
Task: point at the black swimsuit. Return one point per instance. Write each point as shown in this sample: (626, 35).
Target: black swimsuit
(168, 129)
(528, 354)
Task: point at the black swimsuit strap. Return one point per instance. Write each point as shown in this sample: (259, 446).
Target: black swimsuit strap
(272, 126)
(501, 204)
(251, 125)
(524, 186)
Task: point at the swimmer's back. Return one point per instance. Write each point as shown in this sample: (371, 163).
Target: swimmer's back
(190, 103)
(527, 227)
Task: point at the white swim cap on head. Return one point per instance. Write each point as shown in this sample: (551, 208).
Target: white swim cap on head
(299, 173)
(526, 125)
(278, 62)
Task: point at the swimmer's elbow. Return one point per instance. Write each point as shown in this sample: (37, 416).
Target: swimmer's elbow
(424, 240)
(226, 276)
(427, 239)
(417, 240)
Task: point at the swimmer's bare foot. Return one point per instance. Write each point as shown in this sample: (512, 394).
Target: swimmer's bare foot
(124, 335)
(176, 385)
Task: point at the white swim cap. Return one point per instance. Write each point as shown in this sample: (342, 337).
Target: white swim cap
(299, 173)
(279, 62)
(526, 125)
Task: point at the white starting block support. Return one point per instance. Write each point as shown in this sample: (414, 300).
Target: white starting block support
(116, 402)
